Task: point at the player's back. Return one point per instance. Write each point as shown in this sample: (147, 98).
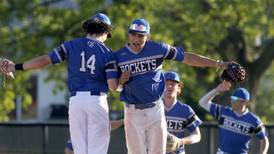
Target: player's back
(87, 58)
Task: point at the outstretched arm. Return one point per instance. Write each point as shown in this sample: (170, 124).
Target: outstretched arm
(264, 145)
(202, 61)
(194, 137)
(35, 63)
(205, 101)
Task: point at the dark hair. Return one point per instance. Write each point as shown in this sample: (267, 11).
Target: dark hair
(96, 27)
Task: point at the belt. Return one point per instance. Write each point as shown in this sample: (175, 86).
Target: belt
(141, 106)
(91, 93)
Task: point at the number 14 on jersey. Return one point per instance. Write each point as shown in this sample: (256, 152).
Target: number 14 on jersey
(90, 63)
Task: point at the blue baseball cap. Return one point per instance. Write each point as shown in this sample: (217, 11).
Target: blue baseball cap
(100, 17)
(172, 76)
(140, 26)
(241, 94)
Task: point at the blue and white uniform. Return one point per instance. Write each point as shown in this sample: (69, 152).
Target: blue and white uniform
(145, 124)
(181, 118)
(89, 64)
(146, 83)
(236, 130)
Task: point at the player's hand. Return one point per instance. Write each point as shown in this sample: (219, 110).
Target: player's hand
(124, 77)
(7, 67)
(223, 86)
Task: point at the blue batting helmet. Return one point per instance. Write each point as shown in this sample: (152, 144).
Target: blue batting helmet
(140, 26)
(172, 76)
(241, 94)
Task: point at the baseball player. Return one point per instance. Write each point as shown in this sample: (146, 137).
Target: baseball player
(236, 123)
(179, 116)
(145, 124)
(92, 72)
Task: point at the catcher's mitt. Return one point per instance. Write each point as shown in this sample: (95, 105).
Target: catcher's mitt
(173, 143)
(234, 73)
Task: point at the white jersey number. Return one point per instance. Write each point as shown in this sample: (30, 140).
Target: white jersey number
(90, 63)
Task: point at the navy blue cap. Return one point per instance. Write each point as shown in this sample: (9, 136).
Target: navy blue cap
(241, 94)
(172, 76)
(140, 26)
(100, 17)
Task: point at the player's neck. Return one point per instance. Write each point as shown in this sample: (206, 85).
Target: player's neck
(168, 101)
(239, 110)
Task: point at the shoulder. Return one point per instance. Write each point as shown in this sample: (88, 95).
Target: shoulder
(151, 43)
(121, 50)
(186, 108)
(254, 117)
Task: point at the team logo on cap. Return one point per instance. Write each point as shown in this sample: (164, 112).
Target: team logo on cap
(138, 27)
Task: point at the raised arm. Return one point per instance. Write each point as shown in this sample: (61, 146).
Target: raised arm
(202, 61)
(264, 145)
(205, 101)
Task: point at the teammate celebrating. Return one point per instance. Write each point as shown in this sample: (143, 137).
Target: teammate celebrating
(145, 124)
(91, 73)
(236, 123)
(180, 117)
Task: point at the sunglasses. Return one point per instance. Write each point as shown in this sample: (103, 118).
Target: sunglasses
(138, 27)
(236, 99)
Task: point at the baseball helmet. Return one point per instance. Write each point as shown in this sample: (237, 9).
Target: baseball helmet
(140, 26)
(101, 19)
(172, 76)
(241, 94)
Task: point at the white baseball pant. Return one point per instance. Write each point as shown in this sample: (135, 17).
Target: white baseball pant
(89, 123)
(146, 130)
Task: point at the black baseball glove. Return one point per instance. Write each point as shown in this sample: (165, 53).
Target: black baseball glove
(234, 73)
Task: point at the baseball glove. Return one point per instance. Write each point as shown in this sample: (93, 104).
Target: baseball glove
(173, 143)
(234, 73)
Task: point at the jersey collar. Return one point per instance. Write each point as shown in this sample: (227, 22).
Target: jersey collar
(171, 107)
(241, 114)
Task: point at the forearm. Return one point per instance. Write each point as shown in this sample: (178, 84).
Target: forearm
(38, 62)
(200, 61)
(193, 138)
(264, 146)
(205, 101)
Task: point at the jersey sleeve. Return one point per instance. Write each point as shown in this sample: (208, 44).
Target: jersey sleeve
(58, 54)
(193, 121)
(111, 68)
(259, 130)
(173, 53)
(215, 110)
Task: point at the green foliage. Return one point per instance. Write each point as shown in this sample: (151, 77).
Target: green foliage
(32, 28)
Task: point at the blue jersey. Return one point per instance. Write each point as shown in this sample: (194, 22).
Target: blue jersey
(235, 130)
(146, 83)
(180, 118)
(89, 63)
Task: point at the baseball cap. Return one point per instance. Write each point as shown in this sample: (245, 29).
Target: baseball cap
(241, 94)
(140, 26)
(100, 17)
(172, 76)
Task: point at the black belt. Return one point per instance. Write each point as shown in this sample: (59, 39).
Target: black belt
(141, 106)
(91, 93)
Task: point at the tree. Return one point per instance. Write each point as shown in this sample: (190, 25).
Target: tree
(219, 29)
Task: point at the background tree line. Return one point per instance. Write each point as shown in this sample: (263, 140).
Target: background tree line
(235, 30)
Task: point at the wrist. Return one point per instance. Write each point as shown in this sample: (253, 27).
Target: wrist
(219, 63)
(19, 66)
